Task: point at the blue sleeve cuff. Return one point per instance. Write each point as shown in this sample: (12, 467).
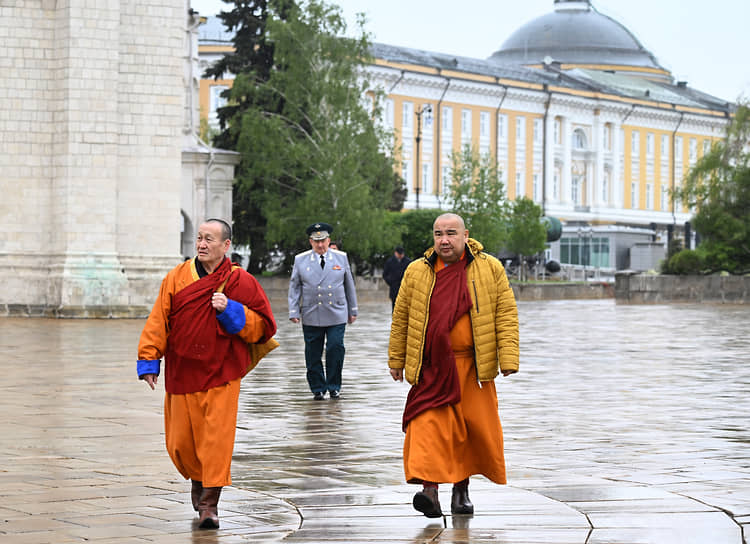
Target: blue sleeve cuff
(233, 317)
(148, 367)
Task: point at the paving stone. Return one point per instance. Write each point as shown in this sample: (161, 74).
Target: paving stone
(626, 424)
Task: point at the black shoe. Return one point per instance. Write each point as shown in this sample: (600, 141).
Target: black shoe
(426, 501)
(460, 503)
(319, 395)
(334, 394)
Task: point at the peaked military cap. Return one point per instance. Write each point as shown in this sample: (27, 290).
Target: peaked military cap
(319, 231)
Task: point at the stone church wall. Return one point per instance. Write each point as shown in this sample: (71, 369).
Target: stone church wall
(90, 153)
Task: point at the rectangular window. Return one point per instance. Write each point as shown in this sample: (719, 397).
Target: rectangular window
(635, 143)
(520, 130)
(634, 195)
(678, 148)
(407, 114)
(693, 149)
(217, 101)
(650, 144)
(537, 131)
(622, 141)
(706, 146)
(664, 198)
(446, 179)
(649, 196)
(558, 130)
(664, 147)
(600, 252)
(406, 174)
(447, 119)
(502, 127)
(575, 189)
(519, 184)
(388, 113)
(484, 124)
(466, 124)
(426, 180)
(537, 189)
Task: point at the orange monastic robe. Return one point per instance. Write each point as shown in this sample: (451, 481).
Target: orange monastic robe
(200, 426)
(450, 443)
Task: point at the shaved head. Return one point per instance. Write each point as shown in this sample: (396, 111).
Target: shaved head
(452, 216)
(450, 235)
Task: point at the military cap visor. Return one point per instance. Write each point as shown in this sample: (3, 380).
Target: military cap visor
(319, 231)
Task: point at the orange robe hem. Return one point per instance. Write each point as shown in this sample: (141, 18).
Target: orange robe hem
(450, 443)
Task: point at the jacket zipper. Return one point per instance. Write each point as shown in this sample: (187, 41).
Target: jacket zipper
(476, 307)
(424, 327)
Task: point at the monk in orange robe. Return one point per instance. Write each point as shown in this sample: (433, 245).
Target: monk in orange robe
(212, 323)
(454, 329)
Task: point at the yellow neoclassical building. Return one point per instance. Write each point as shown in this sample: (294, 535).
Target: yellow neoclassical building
(580, 116)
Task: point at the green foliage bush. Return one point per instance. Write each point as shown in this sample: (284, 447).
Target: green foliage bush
(686, 262)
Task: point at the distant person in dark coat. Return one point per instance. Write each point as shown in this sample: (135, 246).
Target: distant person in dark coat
(393, 271)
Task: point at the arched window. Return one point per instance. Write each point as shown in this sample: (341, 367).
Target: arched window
(579, 139)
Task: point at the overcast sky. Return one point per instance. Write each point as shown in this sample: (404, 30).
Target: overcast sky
(706, 43)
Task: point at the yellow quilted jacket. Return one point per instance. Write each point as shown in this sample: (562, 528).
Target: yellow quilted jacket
(494, 318)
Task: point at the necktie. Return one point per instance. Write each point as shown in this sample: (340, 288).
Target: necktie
(322, 261)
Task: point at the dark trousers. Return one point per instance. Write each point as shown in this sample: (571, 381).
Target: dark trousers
(333, 338)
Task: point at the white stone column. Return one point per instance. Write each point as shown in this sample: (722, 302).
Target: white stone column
(549, 157)
(599, 150)
(566, 181)
(616, 179)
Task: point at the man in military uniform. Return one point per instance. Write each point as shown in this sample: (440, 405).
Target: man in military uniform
(322, 296)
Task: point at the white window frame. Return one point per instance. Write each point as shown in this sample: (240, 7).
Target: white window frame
(447, 119)
(502, 127)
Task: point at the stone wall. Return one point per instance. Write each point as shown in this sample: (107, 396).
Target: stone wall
(90, 152)
(631, 288)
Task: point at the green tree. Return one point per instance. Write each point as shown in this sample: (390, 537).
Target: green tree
(477, 194)
(310, 149)
(528, 234)
(253, 58)
(718, 186)
(415, 230)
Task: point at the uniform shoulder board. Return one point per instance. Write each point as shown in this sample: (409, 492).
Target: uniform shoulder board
(337, 251)
(304, 253)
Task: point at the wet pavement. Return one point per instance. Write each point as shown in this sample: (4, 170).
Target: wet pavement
(626, 424)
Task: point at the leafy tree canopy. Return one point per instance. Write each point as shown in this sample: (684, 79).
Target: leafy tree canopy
(310, 148)
(718, 186)
(477, 194)
(528, 234)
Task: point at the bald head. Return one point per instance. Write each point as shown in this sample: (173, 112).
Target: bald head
(450, 235)
(452, 216)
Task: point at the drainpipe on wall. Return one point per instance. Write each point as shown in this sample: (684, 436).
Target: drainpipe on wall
(395, 83)
(438, 124)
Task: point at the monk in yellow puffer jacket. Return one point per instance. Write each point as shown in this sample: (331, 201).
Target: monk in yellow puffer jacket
(454, 329)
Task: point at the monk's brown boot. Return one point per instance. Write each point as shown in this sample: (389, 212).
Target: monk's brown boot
(460, 503)
(427, 502)
(208, 508)
(195, 493)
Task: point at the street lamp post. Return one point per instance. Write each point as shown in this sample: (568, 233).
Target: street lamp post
(425, 109)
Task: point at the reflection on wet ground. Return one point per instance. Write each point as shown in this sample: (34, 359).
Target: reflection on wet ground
(625, 424)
